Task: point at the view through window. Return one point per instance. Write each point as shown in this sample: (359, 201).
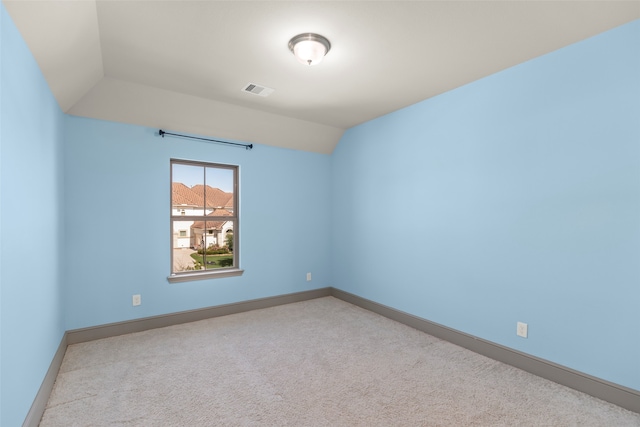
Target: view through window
(204, 217)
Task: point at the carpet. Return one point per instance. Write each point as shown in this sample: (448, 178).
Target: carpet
(322, 362)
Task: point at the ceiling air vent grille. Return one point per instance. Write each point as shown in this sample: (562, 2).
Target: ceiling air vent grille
(257, 89)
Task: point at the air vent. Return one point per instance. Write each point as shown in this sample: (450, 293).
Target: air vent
(257, 89)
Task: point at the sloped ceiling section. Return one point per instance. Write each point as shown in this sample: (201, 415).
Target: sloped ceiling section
(183, 65)
(70, 57)
(127, 102)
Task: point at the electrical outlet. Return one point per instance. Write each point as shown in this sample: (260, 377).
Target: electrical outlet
(308, 277)
(522, 329)
(136, 300)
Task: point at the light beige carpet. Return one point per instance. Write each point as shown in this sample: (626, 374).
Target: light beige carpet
(322, 362)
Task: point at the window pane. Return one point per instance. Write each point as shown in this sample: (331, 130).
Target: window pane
(219, 189)
(183, 244)
(187, 196)
(220, 178)
(214, 244)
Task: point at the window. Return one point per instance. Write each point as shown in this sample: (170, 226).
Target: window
(204, 221)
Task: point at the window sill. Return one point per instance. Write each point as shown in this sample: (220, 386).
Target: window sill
(188, 277)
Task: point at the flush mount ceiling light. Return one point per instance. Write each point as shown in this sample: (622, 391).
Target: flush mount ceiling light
(309, 48)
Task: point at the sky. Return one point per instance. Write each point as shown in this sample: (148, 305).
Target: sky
(191, 175)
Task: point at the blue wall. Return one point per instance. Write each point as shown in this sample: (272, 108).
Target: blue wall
(514, 198)
(31, 223)
(117, 216)
(2, 13)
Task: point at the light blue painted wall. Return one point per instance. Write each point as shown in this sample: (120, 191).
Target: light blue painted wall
(31, 223)
(2, 13)
(117, 217)
(514, 198)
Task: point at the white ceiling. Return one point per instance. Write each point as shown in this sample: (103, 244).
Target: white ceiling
(181, 65)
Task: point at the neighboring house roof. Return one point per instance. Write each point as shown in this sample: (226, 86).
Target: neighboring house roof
(183, 195)
(216, 198)
(216, 225)
(194, 196)
(229, 204)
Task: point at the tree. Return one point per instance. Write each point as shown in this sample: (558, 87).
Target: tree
(229, 240)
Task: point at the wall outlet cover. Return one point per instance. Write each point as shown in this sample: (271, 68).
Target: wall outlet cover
(522, 330)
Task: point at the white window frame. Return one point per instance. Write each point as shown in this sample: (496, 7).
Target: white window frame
(234, 270)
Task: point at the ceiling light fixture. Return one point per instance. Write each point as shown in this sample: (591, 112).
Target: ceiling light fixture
(309, 48)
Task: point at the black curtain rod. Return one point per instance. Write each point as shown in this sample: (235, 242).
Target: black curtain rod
(246, 146)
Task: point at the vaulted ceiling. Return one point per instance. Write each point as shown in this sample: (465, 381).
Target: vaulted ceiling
(182, 65)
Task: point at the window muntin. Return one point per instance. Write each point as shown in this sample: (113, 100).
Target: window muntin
(204, 219)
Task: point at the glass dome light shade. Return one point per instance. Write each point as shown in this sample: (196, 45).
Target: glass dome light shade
(309, 49)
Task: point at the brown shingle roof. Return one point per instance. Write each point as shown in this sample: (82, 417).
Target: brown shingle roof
(216, 198)
(217, 225)
(183, 195)
(229, 204)
(194, 196)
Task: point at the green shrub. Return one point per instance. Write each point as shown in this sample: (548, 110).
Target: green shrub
(214, 250)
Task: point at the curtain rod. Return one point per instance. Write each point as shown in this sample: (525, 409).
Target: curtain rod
(246, 146)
